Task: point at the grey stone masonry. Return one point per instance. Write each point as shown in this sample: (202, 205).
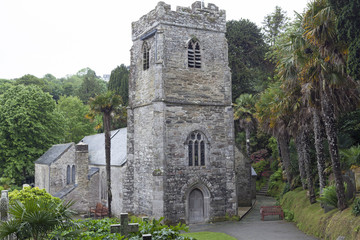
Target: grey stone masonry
(169, 102)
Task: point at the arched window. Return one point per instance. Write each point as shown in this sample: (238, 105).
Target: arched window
(146, 59)
(196, 149)
(194, 54)
(68, 175)
(73, 174)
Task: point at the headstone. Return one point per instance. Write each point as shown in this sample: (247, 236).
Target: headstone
(4, 205)
(146, 237)
(124, 228)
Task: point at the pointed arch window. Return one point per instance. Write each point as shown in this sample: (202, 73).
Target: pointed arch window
(196, 149)
(146, 58)
(194, 54)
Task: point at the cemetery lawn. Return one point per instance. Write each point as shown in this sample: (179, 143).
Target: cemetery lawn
(209, 236)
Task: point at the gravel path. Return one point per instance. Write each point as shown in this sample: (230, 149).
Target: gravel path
(252, 228)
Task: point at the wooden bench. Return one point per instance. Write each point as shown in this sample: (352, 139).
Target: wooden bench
(99, 211)
(271, 210)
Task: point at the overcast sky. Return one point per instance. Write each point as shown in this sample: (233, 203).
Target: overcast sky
(63, 36)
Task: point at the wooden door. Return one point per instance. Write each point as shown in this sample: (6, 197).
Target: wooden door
(196, 206)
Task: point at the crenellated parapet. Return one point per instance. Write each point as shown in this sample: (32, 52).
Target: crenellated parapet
(202, 17)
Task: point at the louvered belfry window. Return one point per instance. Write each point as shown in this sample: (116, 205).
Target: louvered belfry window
(196, 149)
(145, 51)
(194, 54)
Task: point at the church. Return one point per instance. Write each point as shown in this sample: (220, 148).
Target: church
(180, 160)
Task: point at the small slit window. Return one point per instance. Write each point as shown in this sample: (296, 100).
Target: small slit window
(196, 149)
(68, 175)
(194, 54)
(146, 58)
(73, 174)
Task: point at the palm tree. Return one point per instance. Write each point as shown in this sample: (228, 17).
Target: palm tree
(244, 112)
(35, 218)
(106, 104)
(327, 70)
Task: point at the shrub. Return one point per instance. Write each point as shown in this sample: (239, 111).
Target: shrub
(329, 196)
(289, 215)
(259, 155)
(260, 166)
(350, 156)
(31, 193)
(356, 207)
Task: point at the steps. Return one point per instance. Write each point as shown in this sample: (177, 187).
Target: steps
(263, 190)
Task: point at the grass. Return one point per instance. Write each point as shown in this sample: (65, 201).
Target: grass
(311, 219)
(209, 236)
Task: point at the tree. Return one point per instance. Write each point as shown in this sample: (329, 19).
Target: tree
(119, 82)
(35, 218)
(76, 124)
(249, 69)
(274, 24)
(90, 86)
(29, 125)
(244, 113)
(348, 30)
(106, 104)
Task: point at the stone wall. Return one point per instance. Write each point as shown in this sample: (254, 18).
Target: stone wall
(42, 177)
(244, 183)
(58, 170)
(170, 100)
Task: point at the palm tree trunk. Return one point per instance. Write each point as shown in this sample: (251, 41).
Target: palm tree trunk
(107, 157)
(300, 153)
(283, 141)
(330, 127)
(307, 162)
(319, 146)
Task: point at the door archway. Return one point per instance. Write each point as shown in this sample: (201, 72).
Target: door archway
(196, 206)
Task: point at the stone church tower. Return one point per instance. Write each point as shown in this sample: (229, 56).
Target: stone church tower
(180, 118)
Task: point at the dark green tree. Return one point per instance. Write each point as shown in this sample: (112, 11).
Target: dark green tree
(274, 24)
(249, 69)
(29, 125)
(76, 124)
(119, 82)
(106, 104)
(348, 30)
(91, 85)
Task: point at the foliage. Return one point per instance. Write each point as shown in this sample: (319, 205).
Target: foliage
(260, 183)
(348, 29)
(28, 193)
(119, 82)
(311, 219)
(209, 236)
(329, 196)
(35, 218)
(90, 86)
(289, 215)
(29, 125)
(356, 207)
(76, 124)
(276, 184)
(259, 155)
(161, 231)
(273, 145)
(349, 128)
(274, 24)
(87, 230)
(249, 69)
(350, 156)
(260, 166)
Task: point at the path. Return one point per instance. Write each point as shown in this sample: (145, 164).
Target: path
(252, 228)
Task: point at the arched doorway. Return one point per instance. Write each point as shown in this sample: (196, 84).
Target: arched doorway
(196, 206)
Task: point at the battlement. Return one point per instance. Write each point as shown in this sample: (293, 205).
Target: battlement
(197, 17)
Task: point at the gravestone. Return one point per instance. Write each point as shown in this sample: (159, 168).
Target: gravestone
(146, 237)
(4, 205)
(124, 228)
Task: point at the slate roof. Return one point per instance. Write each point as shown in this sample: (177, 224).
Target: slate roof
(53, 153)
(253, 173)
(96, 145)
